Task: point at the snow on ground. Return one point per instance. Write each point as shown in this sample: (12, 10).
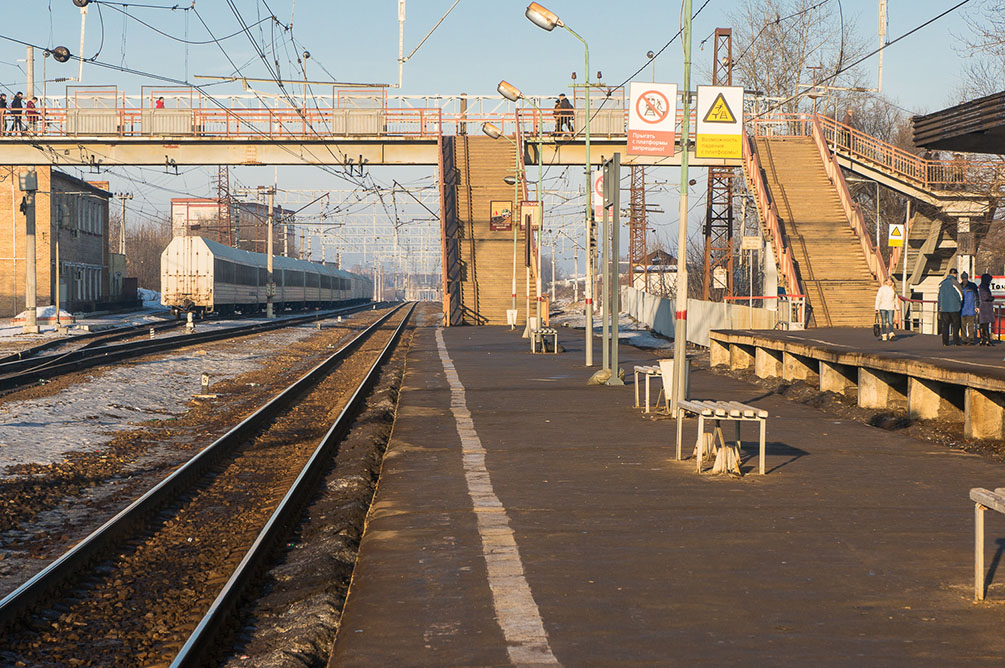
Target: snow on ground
(629, 330)
(151, 300)
(86, 415)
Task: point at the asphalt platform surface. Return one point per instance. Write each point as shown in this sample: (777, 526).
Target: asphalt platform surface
(856, 548)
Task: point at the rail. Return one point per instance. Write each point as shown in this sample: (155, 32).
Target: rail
(769, 215)
(38, 590)
(926, 173)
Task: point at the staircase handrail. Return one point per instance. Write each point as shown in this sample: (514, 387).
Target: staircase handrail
(752, 167)
(852, 211)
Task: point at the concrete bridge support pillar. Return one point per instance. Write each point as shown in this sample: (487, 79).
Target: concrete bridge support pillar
(878, 389)
(837, 378)
(985, 414)
(768, 363)
(741, 357)
(930, 399)
(719, 353)
(799, 367)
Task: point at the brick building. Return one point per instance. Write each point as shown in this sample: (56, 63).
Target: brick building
(79, 211)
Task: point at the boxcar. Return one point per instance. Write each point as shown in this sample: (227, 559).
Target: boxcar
(202, 276)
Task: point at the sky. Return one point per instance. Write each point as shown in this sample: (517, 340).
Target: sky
(478, 44)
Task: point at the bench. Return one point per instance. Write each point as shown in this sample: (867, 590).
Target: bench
(984, 499)
(649, 372)
(720, 411)
(538, 338)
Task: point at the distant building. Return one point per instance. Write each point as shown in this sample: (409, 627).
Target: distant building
(657, 275)
(79, 211)
(242, 225)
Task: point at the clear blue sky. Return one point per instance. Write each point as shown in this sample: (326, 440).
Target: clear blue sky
(480, 43)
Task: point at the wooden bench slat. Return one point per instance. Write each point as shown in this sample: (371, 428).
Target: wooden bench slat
(988, 499)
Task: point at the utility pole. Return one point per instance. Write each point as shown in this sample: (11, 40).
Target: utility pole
(882, 43)
(30, 67)
(83, 24)
(680, 303)
(270, 287)
(122, 221)
(29, 184)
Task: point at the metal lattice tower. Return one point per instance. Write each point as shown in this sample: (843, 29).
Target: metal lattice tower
(224, 230)
(637, 223)
(719, 200)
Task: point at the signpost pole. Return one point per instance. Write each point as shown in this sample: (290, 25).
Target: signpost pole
(605, 269)
(613, 296)
(680, 302)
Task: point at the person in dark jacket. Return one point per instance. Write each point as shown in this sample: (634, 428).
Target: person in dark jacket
(968, 312)
(985, 309)
(16, 105)
(950, 303)
(3, 113)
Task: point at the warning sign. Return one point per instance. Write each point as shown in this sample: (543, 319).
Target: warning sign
(720, 122)
(719, 112)
(651, 119)
(896, 237)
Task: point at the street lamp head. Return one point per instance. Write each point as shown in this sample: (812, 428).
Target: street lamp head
(491, 130)
(509, 91)
(509, 180)
(543, 18)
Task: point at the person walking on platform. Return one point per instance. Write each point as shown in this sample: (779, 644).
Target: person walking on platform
(886, 304)
(986, 309)
(950, 303)
(968, 312)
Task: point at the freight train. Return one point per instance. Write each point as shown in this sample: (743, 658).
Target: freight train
(200, 276)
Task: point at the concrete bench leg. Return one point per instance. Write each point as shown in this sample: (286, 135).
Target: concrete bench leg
(680, 427)
(636, 389)
(763, 425)
(978, 552)
(700, 443)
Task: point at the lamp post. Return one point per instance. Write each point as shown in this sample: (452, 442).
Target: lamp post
(680, 302)
(494, 132)
(512, 93)
(548, 20)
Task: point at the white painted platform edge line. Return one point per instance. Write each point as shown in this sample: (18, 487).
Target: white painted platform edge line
(516, 611)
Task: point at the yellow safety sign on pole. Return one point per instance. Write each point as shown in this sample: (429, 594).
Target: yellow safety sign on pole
(896, 237)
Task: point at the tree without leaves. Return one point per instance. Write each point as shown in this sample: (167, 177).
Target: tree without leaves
(984, 50)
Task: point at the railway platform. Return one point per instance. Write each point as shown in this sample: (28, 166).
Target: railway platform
(524, 518)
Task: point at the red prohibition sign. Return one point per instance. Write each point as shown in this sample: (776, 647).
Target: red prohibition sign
(598, 184)
(650, 106)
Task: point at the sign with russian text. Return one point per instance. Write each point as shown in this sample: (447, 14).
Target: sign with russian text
(530, 210)
(652, 115)
(720, 122)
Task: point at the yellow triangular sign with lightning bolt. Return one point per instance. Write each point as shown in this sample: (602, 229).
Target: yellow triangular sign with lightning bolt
(719, 112)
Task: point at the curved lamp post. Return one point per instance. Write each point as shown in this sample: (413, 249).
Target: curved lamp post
(513, 94)
(548, 20)
(491, 130)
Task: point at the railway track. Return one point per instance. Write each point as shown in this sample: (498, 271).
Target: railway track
(162, 581)
(29, 371)
(91, 339)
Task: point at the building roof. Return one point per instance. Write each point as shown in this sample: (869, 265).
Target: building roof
(80, 183)
(977, 126)
(660, 257)
(278, 261)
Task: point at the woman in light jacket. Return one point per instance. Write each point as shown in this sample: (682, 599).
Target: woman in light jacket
(886, 304)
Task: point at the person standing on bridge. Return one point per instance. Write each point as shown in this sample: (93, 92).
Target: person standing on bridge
(566, 113)
(968, 312)
(15, 113)
(950, 303)
(986, 308)
(159, 103)
(3, 114)
(886, 304)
